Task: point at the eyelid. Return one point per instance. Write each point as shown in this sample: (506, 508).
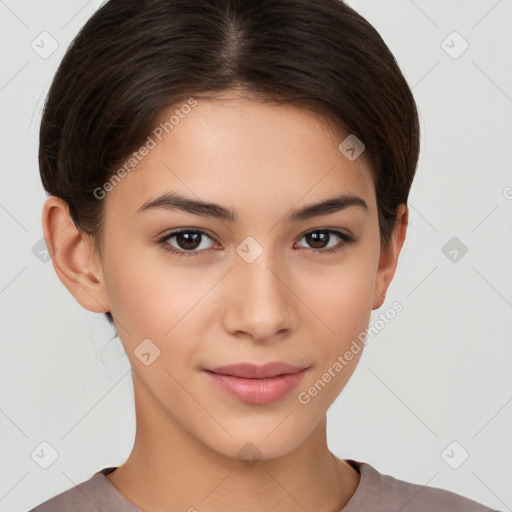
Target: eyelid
(173, 232)
(344, 231)
(207, 232)
(344, 239)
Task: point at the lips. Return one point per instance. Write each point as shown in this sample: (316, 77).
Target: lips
(253, 371)
(256, 384)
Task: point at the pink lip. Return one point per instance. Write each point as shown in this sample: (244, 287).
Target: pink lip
(253, 371)
(257, 384)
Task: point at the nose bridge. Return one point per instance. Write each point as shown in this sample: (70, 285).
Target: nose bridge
(262, 306)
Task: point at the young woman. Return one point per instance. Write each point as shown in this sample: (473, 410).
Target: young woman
(228, 182)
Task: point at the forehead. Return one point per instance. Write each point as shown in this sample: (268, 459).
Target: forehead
(242, 153)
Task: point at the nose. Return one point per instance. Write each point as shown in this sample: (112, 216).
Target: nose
(259, 304)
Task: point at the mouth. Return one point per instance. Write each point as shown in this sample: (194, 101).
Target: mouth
(255, 384)
(254, 371)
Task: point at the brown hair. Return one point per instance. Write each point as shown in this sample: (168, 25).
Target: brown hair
(135, 58)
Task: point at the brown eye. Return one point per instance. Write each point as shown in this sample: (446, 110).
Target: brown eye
(186, 243)
(188, 240)
(319, 239)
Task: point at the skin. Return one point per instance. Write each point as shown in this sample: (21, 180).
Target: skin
(291, 304)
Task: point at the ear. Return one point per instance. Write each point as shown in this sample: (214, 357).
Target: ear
(388, 259)
(73, 256)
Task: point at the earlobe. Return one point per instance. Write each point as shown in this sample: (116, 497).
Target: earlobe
(388, 260)
(76, 263)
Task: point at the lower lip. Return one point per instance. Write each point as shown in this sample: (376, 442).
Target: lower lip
(257, 391)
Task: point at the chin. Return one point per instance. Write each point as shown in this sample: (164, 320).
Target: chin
(264, 440)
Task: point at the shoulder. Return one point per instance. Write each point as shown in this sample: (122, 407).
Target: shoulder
(93, 495)
(385, 493)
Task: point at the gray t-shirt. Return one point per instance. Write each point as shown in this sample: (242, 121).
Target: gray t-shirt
(376, 493)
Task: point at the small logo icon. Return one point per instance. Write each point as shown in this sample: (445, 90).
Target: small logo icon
(44, 455)
(44, 45)
(249, 454)
(43, 250)
(454, 249)
(454, 455)
(351, 147)
(249, 250)
(146, 352)
(454, 45)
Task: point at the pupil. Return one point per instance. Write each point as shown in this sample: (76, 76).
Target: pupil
(318, 235)
(187, 237)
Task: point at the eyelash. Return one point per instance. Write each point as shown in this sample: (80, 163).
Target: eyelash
(346, 239)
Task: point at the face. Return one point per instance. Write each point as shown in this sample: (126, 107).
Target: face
(263, 286)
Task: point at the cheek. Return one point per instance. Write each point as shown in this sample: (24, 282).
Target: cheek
(343, 304)
(341, 295)
(156, 301)
(148, 293)
(342, 299)
(154, 297)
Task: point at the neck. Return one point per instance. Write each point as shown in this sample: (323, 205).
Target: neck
(169, 466)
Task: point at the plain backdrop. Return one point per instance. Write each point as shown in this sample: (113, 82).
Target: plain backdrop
(431, 399)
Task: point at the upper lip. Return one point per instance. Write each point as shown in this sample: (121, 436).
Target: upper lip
(253, 371)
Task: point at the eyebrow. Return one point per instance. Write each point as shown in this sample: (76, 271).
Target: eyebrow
(173, 201)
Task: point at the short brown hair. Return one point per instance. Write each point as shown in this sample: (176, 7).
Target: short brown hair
(135, 58)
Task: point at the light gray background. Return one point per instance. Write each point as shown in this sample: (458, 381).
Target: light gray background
(439, 372)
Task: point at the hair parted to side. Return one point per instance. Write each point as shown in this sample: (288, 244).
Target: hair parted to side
(135, 58)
